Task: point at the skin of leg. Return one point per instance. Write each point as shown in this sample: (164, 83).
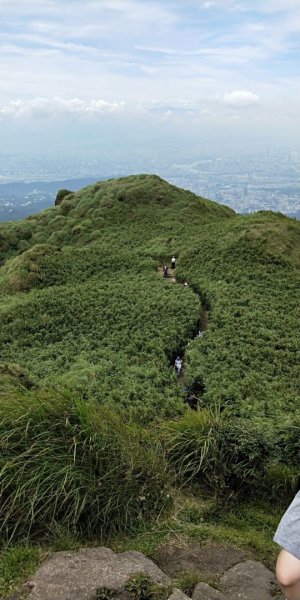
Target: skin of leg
(288, 575)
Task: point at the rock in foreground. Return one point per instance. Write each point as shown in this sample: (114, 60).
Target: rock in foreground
(101, 574)
(81, 575)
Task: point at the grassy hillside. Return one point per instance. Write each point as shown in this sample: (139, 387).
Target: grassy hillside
(97, 316)
(89, 333)
(81, 302)
(248, 269)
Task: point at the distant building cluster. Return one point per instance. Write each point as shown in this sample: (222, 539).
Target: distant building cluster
(246, 183)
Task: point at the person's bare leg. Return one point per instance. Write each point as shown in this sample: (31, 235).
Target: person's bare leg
(288, 575)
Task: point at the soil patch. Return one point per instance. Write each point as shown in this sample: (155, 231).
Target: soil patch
(203, 320)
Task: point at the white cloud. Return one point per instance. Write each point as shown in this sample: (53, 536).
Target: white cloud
(43, 108)
(223, 53)
(202, 61)
(208, 4)
(240, 99)
(95, 11)
(256, 26)
(44, 42)
(278, 5)
(134, 10)
(260, 6)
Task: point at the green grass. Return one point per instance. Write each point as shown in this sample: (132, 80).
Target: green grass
(248, 527)
(69, 463)
(141, 587)
(100, 320)
(17, 563)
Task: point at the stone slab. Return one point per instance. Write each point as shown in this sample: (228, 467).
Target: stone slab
(77, 575)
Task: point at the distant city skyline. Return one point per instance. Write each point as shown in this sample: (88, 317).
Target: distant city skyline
(119, 74)
(246, 183)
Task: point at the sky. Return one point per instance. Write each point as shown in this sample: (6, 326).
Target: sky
(131, 73)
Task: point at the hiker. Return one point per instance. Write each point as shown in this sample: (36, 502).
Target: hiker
(165, 271)
(178, 365)
(173, 262)
(192, 401)
(185, 391)
(185, 284)
(288, 562)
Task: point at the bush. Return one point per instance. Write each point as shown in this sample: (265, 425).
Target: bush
(66, 206)
(24, 272)
(223, 457)
(288, 440)
(245, 450)
(61, 194)
(13, 374)
(65, 462)
(281, 482)
(192, 448)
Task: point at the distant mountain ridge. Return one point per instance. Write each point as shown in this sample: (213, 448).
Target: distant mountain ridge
(50, 186)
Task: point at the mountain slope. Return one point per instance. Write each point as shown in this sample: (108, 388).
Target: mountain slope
(82, 304)
(95, 436)
(106, 325)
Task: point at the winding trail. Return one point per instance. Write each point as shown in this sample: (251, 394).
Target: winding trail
(202, 323)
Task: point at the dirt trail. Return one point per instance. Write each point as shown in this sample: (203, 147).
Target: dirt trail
(203, 324)
(202, 321)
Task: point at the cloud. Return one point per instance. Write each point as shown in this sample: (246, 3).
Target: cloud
(44, 108)
(208, 4)
(231, 50)
(244, 6)
(272, 6)
(136, 10)
(41, 41)
(202, 60)
(240, 99)
(256, 26)
(71, 12)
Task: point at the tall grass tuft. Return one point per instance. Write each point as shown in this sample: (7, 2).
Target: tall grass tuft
(66, 462)
(224, 456)
(192, 448)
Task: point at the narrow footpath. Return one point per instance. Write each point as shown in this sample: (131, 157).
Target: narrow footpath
(202, 323)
